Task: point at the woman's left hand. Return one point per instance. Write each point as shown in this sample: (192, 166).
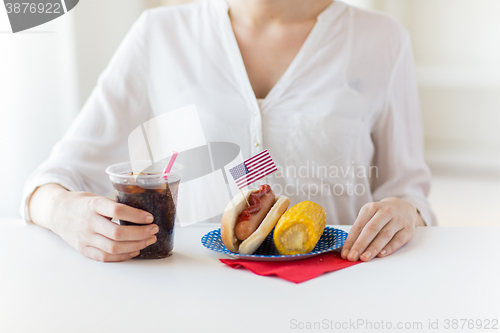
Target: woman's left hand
(380, 229)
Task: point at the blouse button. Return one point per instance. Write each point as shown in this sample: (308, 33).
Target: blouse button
(256, 144)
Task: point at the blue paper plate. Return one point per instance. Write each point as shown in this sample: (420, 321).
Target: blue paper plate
(331, 239)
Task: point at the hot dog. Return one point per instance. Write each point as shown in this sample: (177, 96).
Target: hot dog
(250, 218)
(243, 227)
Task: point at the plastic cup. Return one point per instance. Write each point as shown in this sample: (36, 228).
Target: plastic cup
(153, 191)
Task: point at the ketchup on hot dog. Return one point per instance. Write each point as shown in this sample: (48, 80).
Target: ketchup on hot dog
(261, 201)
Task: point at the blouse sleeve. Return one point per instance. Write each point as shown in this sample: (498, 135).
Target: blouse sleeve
(98, 136)
(398, 140)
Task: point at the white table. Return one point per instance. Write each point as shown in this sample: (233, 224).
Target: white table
(46, 286)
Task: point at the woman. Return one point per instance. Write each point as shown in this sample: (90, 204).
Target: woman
(327, 88)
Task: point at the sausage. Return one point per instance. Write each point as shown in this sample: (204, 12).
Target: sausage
(261, 201)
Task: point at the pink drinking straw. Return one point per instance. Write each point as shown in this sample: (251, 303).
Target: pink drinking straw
(170, 163)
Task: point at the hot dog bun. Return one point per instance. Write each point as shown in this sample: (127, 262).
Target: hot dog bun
(252, 243)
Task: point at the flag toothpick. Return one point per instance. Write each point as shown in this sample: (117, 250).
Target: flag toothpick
(253, 169)
(244, 197)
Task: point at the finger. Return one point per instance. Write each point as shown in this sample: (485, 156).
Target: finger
(118, 232)
(97, 254)
(368, 234)
(365, 214)
(109, 208)
(381, 240)
(112, 247)
(400, 238)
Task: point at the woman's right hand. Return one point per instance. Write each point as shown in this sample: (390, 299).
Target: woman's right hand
(83, 220)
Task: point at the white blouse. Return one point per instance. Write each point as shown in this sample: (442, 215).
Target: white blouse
(343, 123)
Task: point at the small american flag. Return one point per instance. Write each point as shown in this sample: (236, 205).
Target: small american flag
(253, 169)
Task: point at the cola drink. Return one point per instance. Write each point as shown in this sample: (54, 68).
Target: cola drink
(155, 193)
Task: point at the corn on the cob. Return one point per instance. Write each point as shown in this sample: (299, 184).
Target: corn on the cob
(300, 228)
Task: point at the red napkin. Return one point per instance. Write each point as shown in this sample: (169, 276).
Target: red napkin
(296, 270)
